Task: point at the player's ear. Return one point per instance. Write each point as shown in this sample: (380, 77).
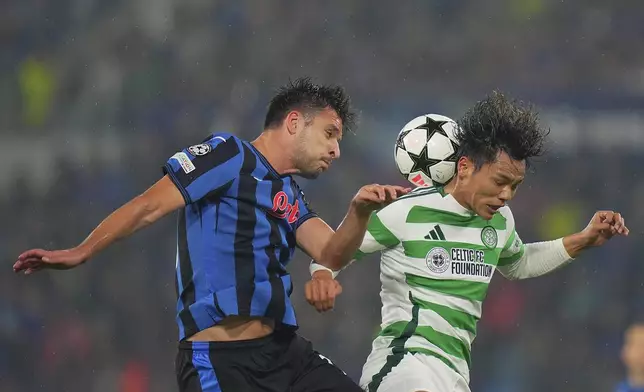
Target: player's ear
(465, 167)
(294, 121)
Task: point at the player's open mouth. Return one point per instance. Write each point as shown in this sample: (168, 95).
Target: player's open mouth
(493, 208)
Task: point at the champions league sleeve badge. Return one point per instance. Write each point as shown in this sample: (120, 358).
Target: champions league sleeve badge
(200, 149)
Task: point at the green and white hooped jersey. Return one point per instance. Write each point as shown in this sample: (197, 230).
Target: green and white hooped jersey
(437, 261)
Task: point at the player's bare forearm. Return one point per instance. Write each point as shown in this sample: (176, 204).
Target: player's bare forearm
(575, 244)
(346, 240)
(335, 250)
(126, 220)
(160, 199)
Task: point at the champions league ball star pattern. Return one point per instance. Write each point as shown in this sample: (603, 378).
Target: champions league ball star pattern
(426, 150)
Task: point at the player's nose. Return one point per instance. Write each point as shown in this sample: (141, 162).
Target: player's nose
(335, 150)
(506, 194)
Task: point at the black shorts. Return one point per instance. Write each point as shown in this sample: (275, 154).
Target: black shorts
(280, 362)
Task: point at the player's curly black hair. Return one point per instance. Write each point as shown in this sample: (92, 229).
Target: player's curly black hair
(305, 95)
(498, 123)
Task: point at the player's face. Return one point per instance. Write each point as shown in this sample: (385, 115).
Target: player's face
(494, 184)
(633, 350)
(318, 143)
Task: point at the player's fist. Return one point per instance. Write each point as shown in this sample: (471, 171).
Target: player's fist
(373, 197)
(603, 226)
(321, 290)
(37, 259)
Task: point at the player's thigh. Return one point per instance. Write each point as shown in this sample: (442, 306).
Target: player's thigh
(410, 374)
(321, 375)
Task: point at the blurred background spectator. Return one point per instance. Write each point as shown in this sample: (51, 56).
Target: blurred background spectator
(633, 359)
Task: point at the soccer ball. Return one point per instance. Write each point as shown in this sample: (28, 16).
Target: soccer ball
(426, 149)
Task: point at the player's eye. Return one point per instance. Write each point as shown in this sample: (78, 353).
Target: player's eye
(499, 182)
(329, 134)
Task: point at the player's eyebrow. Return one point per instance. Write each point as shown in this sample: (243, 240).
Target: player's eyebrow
(505, 177)
(334, 128)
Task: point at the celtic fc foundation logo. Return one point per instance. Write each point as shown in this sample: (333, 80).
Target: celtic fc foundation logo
(489, 237)
(438, 260)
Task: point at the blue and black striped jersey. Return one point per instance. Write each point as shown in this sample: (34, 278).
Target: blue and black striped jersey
(235, 236)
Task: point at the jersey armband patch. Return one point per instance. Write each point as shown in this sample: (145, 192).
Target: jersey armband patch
(184, 161)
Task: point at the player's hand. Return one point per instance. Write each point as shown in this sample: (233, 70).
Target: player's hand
(603, 226)
(321, 290)
(373, 197)
(37, 259)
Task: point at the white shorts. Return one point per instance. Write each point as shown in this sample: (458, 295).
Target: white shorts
(415, 372)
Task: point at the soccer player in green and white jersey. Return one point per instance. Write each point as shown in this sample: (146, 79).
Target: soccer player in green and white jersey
(440, 248)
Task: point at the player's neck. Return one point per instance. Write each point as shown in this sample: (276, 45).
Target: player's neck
(457, 194)
(273, 150)
(449, 187)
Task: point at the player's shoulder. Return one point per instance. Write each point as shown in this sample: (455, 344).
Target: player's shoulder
(222, 137)
(227, 140)
(506, 213)
(421, 196)
(427, 196)
(421, 191)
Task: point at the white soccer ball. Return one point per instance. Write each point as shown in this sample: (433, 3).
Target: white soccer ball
(426, 149)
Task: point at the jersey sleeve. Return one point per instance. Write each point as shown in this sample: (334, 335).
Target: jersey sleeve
(305, 212)
(381, 232)
(205, 169)
(514, 248)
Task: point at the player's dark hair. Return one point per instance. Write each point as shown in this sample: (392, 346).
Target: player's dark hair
(303, 94)
(498, 123)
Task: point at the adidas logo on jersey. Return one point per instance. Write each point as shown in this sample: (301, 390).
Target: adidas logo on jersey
(435, 234)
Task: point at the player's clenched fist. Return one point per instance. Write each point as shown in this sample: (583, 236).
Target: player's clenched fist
(603, 226)
(373, 197)
(321, 291)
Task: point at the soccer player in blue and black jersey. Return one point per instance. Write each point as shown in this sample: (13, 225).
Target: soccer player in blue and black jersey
(241, 216)
(632, 356)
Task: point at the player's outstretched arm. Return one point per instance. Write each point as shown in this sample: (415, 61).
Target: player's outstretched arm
(334, 250)
(341, 247)
(603, 226)
(159, 200)
(540, 258)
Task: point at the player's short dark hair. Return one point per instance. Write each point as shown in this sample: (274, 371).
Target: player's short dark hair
(496, 124)
(303, 94)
